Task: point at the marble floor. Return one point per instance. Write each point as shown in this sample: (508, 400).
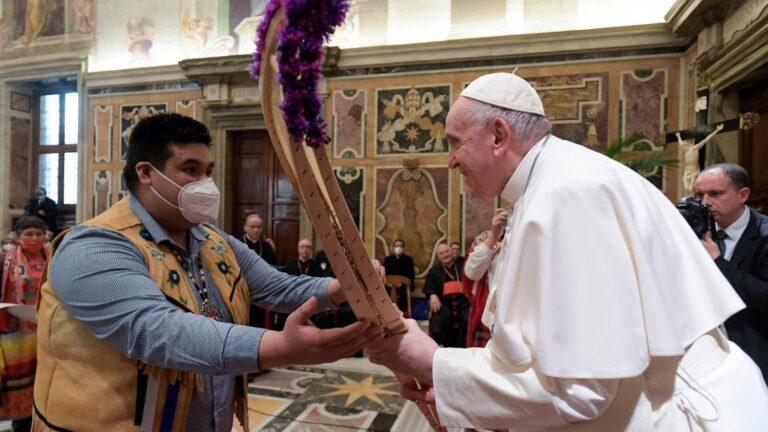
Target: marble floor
(351, 394)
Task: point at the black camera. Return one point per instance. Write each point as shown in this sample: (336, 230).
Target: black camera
(697, 215)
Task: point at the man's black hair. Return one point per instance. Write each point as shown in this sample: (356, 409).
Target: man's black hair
(738, 175)
(27, 222)
(151, 141)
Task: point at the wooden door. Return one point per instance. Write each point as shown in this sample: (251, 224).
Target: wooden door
(261, 186)
(754, 143)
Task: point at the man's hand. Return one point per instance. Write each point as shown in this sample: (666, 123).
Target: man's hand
(409, 354)
(434, 303)
(301, 343)
(710, 245)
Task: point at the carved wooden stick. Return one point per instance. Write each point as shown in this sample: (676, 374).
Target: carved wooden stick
(312, 176)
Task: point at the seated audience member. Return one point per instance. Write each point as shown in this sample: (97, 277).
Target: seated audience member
(741, 254)
(448, 303)
(302, 265)
(400, 264)
(22, 270)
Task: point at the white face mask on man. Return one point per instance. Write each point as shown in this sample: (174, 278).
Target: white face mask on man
(198, 200)
(398, 250)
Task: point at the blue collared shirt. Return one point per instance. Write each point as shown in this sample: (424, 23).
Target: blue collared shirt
(103, 281)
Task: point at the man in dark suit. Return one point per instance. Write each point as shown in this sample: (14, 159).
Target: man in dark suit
(254, 238)
(303, 265)
(43, 207)
(400, 264)
(744, 255)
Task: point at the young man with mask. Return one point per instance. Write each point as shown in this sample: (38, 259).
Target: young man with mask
(143, 315)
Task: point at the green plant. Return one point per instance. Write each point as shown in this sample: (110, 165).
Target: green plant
(643, 161)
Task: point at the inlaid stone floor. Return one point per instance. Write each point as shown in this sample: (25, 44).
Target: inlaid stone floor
(351, 394)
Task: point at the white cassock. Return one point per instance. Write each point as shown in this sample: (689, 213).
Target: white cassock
(604, 308)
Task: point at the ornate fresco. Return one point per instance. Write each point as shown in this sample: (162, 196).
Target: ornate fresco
(412, 120)
(130, 115)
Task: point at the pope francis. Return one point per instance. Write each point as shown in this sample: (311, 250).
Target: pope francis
(603, 306)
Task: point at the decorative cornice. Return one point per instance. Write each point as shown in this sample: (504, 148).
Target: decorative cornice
(134, 77)
(737, 60)
(230, 69)
(689, 17)
(615, 39)
(42, 67)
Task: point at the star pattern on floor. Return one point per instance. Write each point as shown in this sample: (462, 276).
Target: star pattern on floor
(354, 390)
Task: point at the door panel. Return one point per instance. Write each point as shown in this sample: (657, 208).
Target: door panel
(262, 187)
(754, 143)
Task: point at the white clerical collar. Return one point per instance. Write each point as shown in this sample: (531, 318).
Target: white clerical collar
(516, 184)
(736, 229)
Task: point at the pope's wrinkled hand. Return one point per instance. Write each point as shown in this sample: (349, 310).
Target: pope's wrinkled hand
(408, 354)
(301, 343)
(417, 392)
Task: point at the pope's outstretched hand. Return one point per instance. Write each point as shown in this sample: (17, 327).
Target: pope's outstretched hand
(408, 354)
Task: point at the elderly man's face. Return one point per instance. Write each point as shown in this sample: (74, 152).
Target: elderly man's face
(444, 255)
(472, 152)
(305, 249)
(254, 226)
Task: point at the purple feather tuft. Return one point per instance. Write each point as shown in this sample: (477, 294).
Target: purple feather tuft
(309, 23)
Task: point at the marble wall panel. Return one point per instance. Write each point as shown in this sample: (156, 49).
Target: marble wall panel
(21, 142)
(577, 106)
(187, 108)
(349, 115)
(102, 133)
(643, 98)
(102, 188)
(351, 183)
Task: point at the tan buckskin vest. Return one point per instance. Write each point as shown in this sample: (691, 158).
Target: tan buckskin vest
(85, 384)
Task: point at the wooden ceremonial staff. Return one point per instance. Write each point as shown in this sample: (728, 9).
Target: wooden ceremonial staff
(311, 174)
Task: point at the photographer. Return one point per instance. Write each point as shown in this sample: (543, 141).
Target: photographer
(744, 258)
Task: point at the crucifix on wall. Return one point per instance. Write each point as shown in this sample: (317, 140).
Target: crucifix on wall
(692, 141)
